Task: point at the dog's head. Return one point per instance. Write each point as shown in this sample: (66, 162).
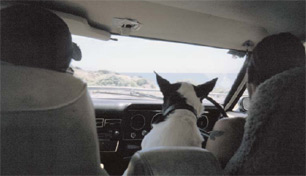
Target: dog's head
(183, 93)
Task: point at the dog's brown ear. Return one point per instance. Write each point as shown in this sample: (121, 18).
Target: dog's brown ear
(162, 83)
(203, 90)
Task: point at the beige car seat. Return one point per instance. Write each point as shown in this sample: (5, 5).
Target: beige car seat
(174, 161)
(47, 124)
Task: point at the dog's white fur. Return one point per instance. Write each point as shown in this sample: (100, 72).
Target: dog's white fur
(180, 128)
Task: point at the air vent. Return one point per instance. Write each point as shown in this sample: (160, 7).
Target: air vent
(100, 122)
(203, 122)
(112, 123)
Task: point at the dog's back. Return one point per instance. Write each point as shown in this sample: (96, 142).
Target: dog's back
(179, 129)
(182, 105)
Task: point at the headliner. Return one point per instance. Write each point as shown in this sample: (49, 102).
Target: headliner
(224, 24)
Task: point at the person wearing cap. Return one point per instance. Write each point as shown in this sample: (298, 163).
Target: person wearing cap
(271, 139)
(39, 39)
(47, 117)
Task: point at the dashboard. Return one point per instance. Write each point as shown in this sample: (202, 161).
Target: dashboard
(122, 124)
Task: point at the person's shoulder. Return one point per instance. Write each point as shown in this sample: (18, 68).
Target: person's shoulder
(233, 122)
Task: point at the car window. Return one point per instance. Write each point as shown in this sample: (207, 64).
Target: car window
(124, 69)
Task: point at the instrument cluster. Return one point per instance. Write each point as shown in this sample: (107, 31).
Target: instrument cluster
(130, 125)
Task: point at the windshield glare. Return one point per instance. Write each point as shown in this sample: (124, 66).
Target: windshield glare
(124, 69)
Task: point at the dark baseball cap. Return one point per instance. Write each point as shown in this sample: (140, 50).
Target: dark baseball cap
(36, 37)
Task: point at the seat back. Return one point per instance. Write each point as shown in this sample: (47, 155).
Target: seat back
(174, 161)
(47, 124)
(274, 134)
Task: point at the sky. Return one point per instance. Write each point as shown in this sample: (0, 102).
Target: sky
(145, 56)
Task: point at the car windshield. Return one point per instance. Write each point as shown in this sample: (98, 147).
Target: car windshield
(124, 68)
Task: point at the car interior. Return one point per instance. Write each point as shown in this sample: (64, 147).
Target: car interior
(107, 114)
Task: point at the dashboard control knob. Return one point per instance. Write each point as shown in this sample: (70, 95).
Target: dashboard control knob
(116, 133)
(133, 135)
(144, 132)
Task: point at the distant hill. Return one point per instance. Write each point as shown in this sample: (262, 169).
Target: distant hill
(148, 80)
(108, 78)
(224, 83)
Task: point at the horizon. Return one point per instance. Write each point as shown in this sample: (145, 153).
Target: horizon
(150, 72)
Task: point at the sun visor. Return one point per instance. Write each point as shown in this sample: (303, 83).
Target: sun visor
(79, 26)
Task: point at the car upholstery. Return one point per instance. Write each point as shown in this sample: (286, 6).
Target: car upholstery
(47, 124)
(174, 161)
(274, 137)
(224, 24)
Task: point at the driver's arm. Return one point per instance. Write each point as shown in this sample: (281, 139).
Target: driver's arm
(225, 138)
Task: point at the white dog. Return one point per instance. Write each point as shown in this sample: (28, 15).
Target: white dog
(181, 108)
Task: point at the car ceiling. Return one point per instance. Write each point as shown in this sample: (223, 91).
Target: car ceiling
(223, 24)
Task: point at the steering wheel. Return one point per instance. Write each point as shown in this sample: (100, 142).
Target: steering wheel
(205, 133)
(218, 106)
